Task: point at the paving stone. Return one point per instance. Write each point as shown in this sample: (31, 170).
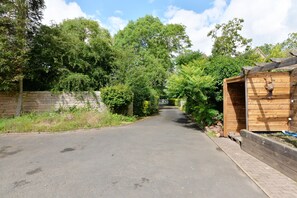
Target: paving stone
(271, 181)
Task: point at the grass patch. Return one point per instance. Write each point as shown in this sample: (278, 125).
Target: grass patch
(62, 121)
(211, 134)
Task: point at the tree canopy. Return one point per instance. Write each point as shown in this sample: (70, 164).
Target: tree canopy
(76, 55)
(19, 22)
(227, 39)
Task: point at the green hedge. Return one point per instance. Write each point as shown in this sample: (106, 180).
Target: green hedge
(146, 102)
(117, 98)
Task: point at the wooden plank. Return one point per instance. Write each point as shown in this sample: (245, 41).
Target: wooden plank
(269, 119)
(275, 113)
(285, 102)
(293, 112)
(225, 106)
(277, 80)
(260, 123)
(268, 127)
(235, 79)
(273, 97)
(262, 90)
(236, 112)
(272, 111)
(277, 161)
(268, 74)
(237, 127)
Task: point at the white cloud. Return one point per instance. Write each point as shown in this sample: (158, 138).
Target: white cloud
(197, 24)
(118, 12)
(115, 24)
(58, 10)
(266, 21)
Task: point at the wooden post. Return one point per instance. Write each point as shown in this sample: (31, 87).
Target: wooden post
(225, 108)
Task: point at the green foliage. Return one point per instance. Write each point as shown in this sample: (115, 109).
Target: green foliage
(280, 50)
(290, 43)
(192, 83)
(187, 57)
(146, 100)
(200, 82)
(277, 52)
(46, 59)
(221, 67)
(149, 47)
(229, 41)
(76, 46)
(19, 21)
(171, 101)
(74, 82)
(117, 98)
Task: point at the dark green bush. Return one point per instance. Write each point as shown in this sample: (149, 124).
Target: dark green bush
(171, 101)
(146, 101)
(154, 101)
(117, 98)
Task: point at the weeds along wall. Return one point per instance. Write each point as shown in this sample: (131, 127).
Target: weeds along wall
(42, 101)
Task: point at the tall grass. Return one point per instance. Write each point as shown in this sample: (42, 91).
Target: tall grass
(62, 121)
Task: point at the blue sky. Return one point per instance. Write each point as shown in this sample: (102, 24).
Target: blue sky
(266, 21)
(133, 9)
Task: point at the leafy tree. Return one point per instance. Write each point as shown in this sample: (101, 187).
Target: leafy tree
(89, 51)
(277, 52)
(227, 39)
(187, 57)
(46, 59)
(192, 83)
(222, 67)
(291, 42)
(7, 66)
(76, 55)
(153, 43)
(149, 47)
(19, 20)
(266, 48)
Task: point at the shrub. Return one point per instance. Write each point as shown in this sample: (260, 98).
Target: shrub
(117, 98)
(146, 100)
(146, 107)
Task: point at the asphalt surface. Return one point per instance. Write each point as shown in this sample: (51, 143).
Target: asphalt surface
(162, 156)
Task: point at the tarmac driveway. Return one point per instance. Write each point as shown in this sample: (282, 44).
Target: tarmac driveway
(162, 156)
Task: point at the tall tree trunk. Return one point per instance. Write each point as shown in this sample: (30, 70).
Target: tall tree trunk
(20, 99)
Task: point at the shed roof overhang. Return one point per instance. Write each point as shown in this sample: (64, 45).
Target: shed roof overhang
(235, 79)
(277, 63)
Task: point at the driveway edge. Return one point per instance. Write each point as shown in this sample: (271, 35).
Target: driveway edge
(269, 180)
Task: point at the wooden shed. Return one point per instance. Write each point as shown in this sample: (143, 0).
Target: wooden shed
(263, 98)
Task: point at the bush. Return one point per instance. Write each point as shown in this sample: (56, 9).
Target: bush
(117, 98)
(146, 102)
(171, 102)
(146, 107)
